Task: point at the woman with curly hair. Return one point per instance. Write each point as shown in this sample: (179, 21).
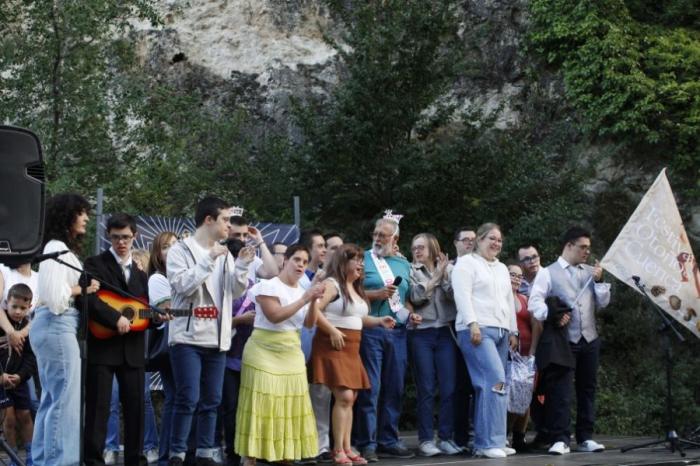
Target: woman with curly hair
(53, 335)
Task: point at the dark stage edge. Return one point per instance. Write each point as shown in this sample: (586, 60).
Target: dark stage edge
(610, 457)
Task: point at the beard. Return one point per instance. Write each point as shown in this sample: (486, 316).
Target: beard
(384, 250)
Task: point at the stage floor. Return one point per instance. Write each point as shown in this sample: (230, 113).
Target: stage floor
(611, 456)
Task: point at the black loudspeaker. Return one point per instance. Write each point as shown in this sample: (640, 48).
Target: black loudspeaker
(22, 194)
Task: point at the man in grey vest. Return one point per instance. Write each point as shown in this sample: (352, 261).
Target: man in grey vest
(577, 286)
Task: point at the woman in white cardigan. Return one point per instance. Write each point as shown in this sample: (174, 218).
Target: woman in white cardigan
(486, 326)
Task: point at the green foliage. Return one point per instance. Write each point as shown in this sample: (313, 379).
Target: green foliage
(58, 61)
(637, 83)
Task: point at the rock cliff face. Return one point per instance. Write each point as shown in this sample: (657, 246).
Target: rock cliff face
(258, 54)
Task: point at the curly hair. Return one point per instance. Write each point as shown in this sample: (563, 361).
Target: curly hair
(61, 212)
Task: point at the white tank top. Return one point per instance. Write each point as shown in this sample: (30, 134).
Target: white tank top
(345, 314)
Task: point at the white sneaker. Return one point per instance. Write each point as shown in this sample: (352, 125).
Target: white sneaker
(151, 456)
(508, 451)
(428, 448)
(218, 455)
(589, 446)
(491, 453)
(559, 448)
(448, 447)
(110, 457)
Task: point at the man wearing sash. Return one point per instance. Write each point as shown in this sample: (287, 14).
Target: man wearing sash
(383, 351)
(205, 278)
(576, 285)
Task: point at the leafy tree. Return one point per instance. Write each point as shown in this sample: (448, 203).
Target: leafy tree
(60, 62)
(635, 83)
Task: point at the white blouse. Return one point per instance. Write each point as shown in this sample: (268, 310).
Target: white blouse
(56, 280)
(286, 294)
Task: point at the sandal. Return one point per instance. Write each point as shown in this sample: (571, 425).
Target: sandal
(356, 459)
(339, 460)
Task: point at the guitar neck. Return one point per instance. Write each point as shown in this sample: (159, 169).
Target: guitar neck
(150, 313)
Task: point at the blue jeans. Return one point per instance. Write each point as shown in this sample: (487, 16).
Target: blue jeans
(486, 363)
(307, 338)
(150, 431)
(166, 414)
(56, 436)
(384, 356)
(199, 378)
(434, 355)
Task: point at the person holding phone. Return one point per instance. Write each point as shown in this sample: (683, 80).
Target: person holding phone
(384, 351)
(264, 266)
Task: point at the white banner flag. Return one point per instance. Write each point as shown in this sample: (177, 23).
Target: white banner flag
(654, 246)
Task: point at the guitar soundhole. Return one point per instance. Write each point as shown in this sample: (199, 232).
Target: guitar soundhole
(129, 313)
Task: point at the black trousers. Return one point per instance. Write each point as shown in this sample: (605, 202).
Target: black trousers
(229, 405)
(98, 388)
(463, 403)
(559, 384)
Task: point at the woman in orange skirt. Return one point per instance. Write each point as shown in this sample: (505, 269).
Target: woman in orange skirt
(335, 358)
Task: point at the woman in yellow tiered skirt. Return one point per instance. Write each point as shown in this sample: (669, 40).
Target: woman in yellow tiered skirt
(275, 421)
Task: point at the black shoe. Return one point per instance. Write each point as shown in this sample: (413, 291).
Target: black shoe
(397, 451)
(519, 442)
(325, 457)
(305, 461)
(539, 443)
(175, 461)
(206, 462)
(370, 455)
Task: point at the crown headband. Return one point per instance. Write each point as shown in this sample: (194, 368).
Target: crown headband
(236, 211)
(390, 215)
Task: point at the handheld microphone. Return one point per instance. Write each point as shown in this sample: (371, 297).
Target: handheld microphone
(51, 255)
(397, 281)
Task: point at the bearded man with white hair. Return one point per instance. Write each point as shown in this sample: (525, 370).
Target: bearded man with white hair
(384, 351)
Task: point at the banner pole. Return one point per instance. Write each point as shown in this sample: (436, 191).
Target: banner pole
(297, 212)
(98, 220)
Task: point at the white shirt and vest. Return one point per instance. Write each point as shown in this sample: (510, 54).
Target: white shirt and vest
(575, 286)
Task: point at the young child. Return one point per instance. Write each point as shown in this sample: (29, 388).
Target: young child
(16, 369)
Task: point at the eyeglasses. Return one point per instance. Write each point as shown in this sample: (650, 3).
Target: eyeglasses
(419, 247)
(495, 239)
(466, 240)
(380, 235)
(528, 259)
(519, 276)
(118, 238)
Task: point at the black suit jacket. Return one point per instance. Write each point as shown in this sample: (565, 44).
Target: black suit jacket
(119, 350)
(553, 346)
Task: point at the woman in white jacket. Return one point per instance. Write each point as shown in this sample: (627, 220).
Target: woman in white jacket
(486, 325)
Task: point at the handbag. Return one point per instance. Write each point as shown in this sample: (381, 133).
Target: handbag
(521, 380)
(157, 350)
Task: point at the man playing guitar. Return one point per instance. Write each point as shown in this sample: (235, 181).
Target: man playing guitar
(121, 355)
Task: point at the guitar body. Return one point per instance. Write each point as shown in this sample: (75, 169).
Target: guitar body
(127, 307)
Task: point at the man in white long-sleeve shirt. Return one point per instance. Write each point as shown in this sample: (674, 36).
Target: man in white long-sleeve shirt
(576, 285)
(205, 278)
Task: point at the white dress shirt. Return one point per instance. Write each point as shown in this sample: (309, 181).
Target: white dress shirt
(542, 286)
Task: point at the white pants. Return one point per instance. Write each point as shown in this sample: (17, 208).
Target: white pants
(321, 404)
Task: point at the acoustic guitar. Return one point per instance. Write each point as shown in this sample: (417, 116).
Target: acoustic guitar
(139, 313)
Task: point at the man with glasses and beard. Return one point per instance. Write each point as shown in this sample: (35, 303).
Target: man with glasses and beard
(383, 351)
